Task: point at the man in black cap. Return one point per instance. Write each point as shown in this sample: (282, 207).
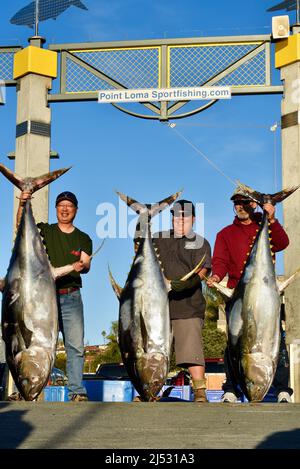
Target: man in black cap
(66, 244)
(180, 250)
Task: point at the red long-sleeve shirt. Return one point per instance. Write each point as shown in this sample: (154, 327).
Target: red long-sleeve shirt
(233, 243)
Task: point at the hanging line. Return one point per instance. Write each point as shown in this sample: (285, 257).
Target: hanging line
(173, 127)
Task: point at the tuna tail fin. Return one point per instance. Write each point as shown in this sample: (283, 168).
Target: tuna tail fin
(79, 4)
(152, 210)
(261, 198)
(116, 287)
(31, 184)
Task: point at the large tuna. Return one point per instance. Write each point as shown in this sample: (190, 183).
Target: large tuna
(29, 305)
(145, 336)
(254, 312)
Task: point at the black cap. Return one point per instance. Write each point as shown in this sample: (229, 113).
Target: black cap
(67, 196)
(183, 208)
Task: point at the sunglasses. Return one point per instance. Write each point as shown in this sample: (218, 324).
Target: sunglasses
(242, 202)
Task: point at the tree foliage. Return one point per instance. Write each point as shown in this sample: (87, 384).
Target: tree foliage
(112, 352)
(60, 362)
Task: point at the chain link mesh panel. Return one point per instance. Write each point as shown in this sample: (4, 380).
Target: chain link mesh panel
(81, 80)
(6, 65)
(132, 68)
(195, 65)
(251, 73)
(189, 65)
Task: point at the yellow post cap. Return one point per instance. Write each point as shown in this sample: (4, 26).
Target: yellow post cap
(287, 51)
(35, 60)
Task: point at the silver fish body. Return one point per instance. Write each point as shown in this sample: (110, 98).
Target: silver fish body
(29, 310)
(254, 320)
(29, 304)
(144, 323)
(145, 335)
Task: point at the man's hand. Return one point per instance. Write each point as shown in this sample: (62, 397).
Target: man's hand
(213, 279)
(25, 195)
(78, 266)
(270, 209)
(179, 285)
(84, 263)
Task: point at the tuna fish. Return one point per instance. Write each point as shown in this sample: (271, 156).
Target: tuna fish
(254, 312)
(145, 336)
(29, 306)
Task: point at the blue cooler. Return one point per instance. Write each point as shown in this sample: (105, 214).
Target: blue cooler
(109, 390)
(56, 394)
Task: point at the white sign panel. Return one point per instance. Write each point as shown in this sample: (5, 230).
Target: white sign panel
(164, 94)
(2, 92)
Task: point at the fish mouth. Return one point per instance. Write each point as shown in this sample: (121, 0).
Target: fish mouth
(259, 373)
(30, 374)
(149, 373)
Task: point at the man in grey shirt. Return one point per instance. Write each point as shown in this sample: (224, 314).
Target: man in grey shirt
(180, 250)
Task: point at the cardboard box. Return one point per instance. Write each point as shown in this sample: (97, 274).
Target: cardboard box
(214, 381)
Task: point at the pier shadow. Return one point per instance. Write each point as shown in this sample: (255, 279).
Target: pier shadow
(13, 429)
(281, 440)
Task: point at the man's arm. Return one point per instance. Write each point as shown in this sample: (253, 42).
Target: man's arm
(220, 260)
(24, 196)
(84, 264)
(279, 238)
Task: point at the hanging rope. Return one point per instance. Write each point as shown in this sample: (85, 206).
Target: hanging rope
(173, 127)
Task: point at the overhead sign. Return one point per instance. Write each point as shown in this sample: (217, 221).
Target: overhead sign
(164, 94)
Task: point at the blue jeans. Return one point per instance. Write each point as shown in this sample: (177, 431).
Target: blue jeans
(71, 324)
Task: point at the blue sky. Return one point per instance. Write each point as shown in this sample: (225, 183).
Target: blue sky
(147, 160)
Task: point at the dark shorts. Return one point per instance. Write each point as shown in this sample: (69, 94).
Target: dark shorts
(188, 341)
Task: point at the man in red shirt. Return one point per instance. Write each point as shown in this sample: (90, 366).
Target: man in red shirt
(231, 250)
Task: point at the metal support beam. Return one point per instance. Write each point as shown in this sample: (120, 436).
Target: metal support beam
(159, 42)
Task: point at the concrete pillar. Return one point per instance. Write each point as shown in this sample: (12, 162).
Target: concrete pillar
(32, 155)
(287, 58)
(34, 69)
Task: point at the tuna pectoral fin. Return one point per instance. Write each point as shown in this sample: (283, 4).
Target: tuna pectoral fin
(116, 287)
(31, 184)
(27, 334)
(2, 284)
(152, 210)
(58, 272)
(194, 271)
(144, 333)
(287, 282)
(225, 292)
